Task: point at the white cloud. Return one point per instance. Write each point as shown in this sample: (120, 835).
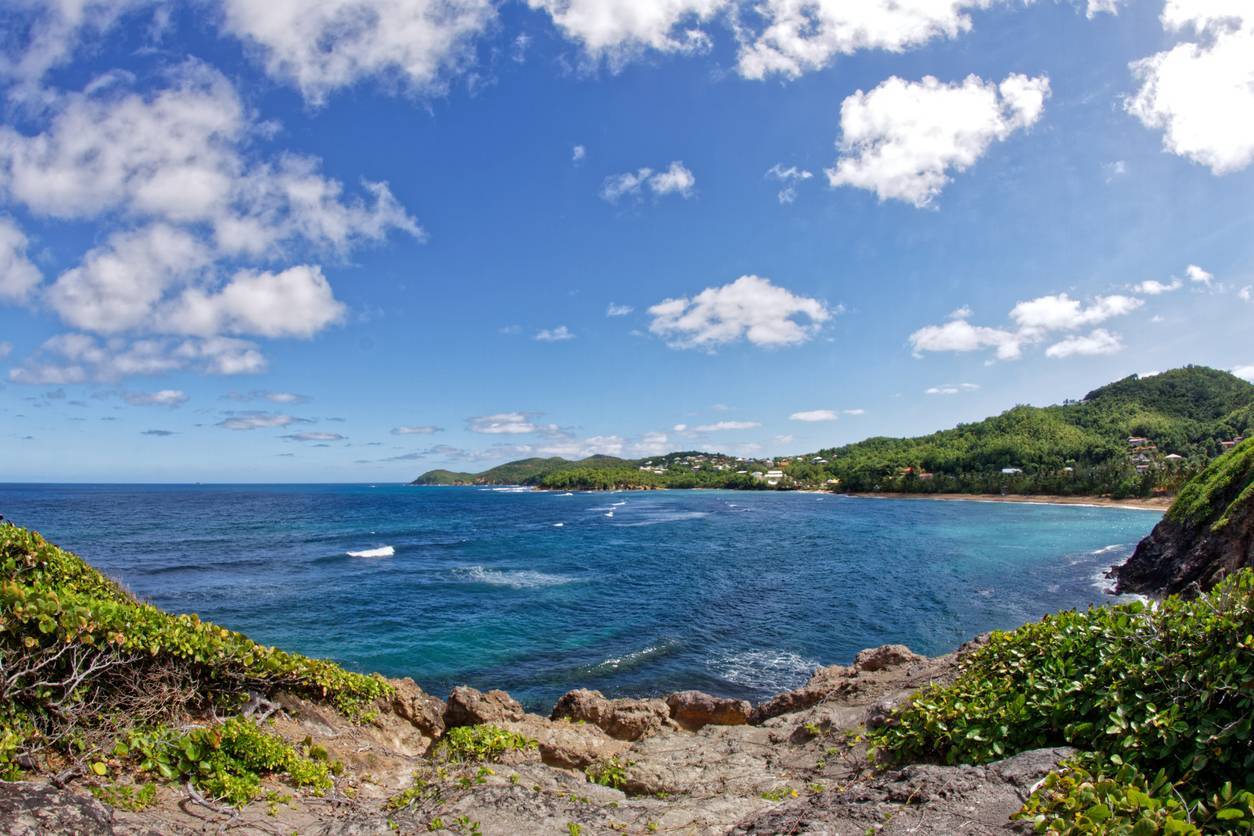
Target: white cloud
(854, 411)
(76, 358)
(749, 308)
(1197, 274)
(618, 310)
(802, 36)
(54, 30)
(18, 275)
(257, 420)
(902, 139)
(1246, 293)
(414, 45)
(164, 397)
(1244, 372)
(650, 444)
(618, 30)
(676, 179)
(1199, 93)
(502, 423)
(726, 426)
(578, 154)
(5, 349)
(1099, 341)
(951, 388)
(424, 429)
(1096, 7)
(296, 302)
(1061, 312)
(960, 335)
(315, 436)
(1150, 287)
(554, 335)
(790, 177)
(814, 415)
(679, 428)
(1115, 170)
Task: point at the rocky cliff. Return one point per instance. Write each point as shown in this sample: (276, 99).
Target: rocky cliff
(1207, 534)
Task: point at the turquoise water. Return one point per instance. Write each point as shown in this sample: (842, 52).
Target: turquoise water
(735, 593)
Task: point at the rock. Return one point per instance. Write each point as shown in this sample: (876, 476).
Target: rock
(567, 745)
(621, 719)
(423, 711)
(695, 709)
(28, 808)
(825, 682)
(885, 657)
(470, 707)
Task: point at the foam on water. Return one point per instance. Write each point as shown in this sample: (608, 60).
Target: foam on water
(665, 517)
(764, 669)
(514, 579)
(635, 659)
(382, 551)
(1108, 549)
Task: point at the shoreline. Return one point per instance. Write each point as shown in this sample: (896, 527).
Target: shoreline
(1158, 503)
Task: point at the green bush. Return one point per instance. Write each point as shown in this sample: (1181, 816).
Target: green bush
(1167, 687)
(482, 743)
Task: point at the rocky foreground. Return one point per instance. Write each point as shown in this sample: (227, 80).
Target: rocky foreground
(686, 763)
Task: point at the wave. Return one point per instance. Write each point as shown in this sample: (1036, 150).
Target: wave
(617, 664)
(771, 670)
(515, 579)
(659, 519)
(559, 525)
(382, 551)
(1108, 549)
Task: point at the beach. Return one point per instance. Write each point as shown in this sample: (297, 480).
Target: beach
(1157, 503)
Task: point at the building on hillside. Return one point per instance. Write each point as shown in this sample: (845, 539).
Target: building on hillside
(1137, 441)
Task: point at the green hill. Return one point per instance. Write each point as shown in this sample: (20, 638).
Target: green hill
(1133, 437)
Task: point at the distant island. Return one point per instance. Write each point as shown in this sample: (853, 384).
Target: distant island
(1137, 437)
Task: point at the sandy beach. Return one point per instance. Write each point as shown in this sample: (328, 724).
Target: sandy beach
(1157, 503)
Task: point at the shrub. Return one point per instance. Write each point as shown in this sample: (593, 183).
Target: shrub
(482, 743)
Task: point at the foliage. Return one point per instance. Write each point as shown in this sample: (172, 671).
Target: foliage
(483, 742)
(78, 655)
(609, 773)
(136, 798)
(226, 761)
(1164, 688)
(1226, 483)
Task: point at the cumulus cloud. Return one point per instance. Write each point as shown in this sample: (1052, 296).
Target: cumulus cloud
(1245, 294)
(726, 426)
(412, 44)
(578, 153)
(618, 30)
(417, 429)
(18, 274)
(315, 436)
(78, 358)
(1099, 341)
(296, 302)
(1198, 275)
(951, 388)
(554, 335)
(750, 308)
(789, 177)
(902, 139)
(259, 420)
(1151, 287)
(1199, 92)
(676, 179)
(1033, 320)
(814, 415)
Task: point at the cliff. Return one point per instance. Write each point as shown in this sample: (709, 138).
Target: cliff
(1206, 535)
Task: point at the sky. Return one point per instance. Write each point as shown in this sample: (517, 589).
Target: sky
(275, 242)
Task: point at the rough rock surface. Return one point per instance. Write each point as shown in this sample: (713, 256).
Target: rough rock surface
(423, 711)
(33, 809)
(469, 707)
(623, 719)
(886, 656)
(693, 710)
(1178, 559)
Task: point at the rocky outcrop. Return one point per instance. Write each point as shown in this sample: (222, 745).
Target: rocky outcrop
(1206, 535)
(886, 657)
(28, 808)
(469, 707)
(693, 710)
(622, 719)
(423, 711)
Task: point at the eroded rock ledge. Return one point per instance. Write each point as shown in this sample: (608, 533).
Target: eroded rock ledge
(690, 763)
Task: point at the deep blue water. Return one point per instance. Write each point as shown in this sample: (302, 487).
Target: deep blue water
(741, 594)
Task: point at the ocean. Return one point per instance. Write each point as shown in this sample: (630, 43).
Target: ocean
(638, 593)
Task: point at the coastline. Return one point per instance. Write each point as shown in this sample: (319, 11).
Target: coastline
(1158, 503)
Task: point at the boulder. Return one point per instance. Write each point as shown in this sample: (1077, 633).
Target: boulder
(421, 710)
(621, 719)
(567, 745)
(885, 657)
(28, 808)
(470, 707)
(694, 709)
(825, 682)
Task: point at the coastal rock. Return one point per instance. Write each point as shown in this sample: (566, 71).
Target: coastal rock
(470, 707)
(694, 709)
(885, 657)
(423, 711)
(824, 683)
(623, 719)
(33, 809)
(567, 745)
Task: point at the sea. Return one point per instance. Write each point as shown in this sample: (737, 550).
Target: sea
(740, 594)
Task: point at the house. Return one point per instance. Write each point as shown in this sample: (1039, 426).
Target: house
(1137, 441)
(773, 477)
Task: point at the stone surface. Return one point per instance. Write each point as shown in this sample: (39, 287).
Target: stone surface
(623, 719)
(693, 710)
(470, 707)
(421, 710)
(825, 682)
(28, 808)
(1177, 559)
(885, 657)
(567, 745)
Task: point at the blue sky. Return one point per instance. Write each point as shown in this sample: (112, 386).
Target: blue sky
(255, 242)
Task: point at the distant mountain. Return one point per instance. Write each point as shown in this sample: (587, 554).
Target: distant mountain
(1133, 437)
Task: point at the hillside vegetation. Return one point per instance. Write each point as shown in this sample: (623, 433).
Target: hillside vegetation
(1074, 448)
